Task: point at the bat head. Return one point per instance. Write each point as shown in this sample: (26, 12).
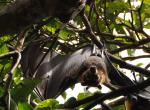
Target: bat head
(95, 72)
(89, 77)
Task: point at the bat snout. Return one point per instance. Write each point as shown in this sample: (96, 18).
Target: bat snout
(90, 77)
(93, 69)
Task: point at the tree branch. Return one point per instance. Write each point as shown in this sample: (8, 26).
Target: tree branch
(135, 57)
(123, 64)
(141, 42)
(123, 91)
(90, 31)
(99, 98)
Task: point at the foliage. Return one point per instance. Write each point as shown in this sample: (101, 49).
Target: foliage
(48, 104)
(122, 25)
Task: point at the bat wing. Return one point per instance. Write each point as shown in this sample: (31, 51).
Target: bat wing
(145, 93)
(66, 71)
(116, 76)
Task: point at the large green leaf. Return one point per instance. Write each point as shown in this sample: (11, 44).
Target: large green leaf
(66, 34)
(52, 26)
(24, 106)
(20, 92)
(83, 96)
(49, 104)
(3, 49)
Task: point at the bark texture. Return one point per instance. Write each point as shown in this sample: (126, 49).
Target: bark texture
(21, 14)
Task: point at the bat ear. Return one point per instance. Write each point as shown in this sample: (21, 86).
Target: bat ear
(93, 69)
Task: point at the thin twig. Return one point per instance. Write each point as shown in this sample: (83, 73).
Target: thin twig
(8, 55)
(115, 102)
(126, 65)
(147, 66)
(105, 16)
(9, 100)
(91, 10)
(16, 61)
(135, 45)
(105, 106)
(8, 77)
(132, 20)
(90, 31)
(136, 57)
(139, 13)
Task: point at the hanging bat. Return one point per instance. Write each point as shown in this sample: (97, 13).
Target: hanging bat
(21, 14)
(58, 72)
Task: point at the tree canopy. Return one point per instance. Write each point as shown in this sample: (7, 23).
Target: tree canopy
(116, 26)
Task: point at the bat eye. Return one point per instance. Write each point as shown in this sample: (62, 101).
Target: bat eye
(93, 69)
(99, 55)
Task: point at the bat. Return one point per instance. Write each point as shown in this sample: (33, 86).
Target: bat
(58, 72)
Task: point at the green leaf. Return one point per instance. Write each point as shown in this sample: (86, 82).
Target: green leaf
(5, 65)
(21, 91)
(17, 76)
(24, 106)
(139, 64)
(117, 6)
(65, 34)
(121, 107)
(1, 91)
(87, 8)
(64, 94)
(102, 25)
(3, 49)
(83, 95)
(52, 26)
(147, 26)
(4, 38)
(146, 8)
(72, 87)
(49, 104)
(78, 21)
(130, 52)
(112, 47)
